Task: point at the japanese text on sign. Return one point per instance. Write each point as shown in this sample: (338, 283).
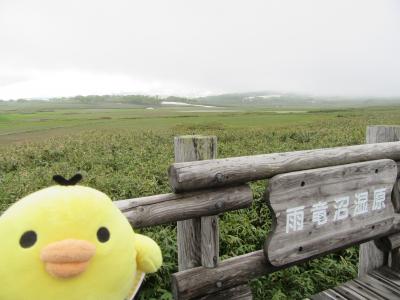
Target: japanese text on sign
(295, 215)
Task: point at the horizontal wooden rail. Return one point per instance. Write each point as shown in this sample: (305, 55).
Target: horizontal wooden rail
(161, 209)
(241, 292)
(188, 176)
(198, 282)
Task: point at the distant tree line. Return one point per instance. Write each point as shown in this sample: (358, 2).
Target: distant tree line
(108, 99)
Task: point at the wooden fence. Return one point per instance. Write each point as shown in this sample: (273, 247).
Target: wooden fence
(206, 187)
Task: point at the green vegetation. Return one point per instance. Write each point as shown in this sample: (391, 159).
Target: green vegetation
(25, 120)
(126, 152)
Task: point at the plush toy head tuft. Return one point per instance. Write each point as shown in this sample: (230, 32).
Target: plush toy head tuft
(71, 242)
(72, 181)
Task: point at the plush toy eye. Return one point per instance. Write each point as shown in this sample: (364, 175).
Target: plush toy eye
(103, 235)
(28, 239)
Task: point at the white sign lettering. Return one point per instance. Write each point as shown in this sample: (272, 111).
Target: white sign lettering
(342, 208)
(295, 216)
(319, 211)
(361, 203)
(294, 219)
(379, 199)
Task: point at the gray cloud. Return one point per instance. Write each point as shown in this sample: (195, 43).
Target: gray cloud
(336, 47)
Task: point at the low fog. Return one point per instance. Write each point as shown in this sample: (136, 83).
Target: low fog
(194, 48)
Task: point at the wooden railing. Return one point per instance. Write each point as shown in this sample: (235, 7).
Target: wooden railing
(206, 187)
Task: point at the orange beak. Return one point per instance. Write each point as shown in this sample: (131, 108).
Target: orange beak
(67, 258)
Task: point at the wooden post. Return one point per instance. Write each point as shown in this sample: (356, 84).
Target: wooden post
(192, 248)
(198, 239)
(209, 241)
(395, 263)
(370, 256)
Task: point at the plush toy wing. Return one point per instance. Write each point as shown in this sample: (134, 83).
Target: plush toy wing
(148, 259)
(136, 285)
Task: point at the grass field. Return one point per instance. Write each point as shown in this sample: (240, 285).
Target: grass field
(125, 152)
(15, 125)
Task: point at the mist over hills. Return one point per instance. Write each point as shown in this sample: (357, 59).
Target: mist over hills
(251, 99)
(277, 99)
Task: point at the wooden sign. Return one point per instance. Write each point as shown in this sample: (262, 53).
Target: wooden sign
(321, 210)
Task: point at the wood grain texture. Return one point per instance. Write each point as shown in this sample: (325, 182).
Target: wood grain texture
(219, 172)
(200, 281)
(209, 241)
(395, 260)
(305, 189)
(191, 148)
(396, 191)
(381, 284)
(328, 295)
(354, 291)
(166, 208)
(241, 292)
(389, 242)
(382, 134)
(389, 274)
(370, 257)
(375, 285)
(189, 240)
(394, 240)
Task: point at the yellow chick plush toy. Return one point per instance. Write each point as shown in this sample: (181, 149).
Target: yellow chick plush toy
(69, 242)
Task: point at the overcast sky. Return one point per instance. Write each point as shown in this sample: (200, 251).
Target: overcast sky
(184, 47)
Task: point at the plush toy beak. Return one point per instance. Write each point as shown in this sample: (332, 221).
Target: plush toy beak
(67, 258)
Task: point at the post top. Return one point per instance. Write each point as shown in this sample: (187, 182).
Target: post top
(196, 136)
(386, 126)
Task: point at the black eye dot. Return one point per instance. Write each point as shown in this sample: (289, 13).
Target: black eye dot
(28, 239)
(103, 235)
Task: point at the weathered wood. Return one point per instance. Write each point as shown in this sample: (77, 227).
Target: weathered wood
(382, 133)
(192, 148)
(377, 286)
(389, 242)
(162, 209)
(189, 241)
(354, 291)
(209, 241)
(328, 295)
(386, 277)
(389, 274)
(370, 257)
(200, 281)
(392, 254)
(381, 284)
(322, 210)
(219, 172)
(241, 292)
(395, 259)
(396, 191)
(350, 292)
